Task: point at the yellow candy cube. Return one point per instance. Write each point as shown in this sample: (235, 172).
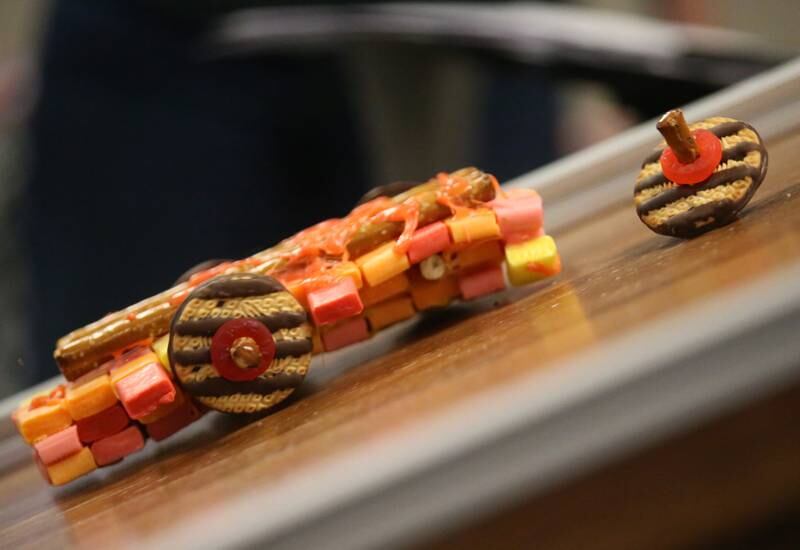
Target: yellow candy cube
(90, 398)
(382, 264)
(532, 260)
(478, 225)
(72, 467)
(349, 269)
(159, 347)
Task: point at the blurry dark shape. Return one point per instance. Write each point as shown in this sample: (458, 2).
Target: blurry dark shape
(202, 266)
(637, 56)
(147, 158)
(15, 92)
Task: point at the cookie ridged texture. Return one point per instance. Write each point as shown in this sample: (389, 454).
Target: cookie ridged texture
(690, 210)
(232, 297)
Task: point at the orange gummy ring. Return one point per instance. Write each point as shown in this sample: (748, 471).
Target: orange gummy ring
(710, 149)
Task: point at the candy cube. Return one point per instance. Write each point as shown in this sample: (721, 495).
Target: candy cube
(115, 447)
(316, 341)
(479, 283)
(173, 422)
(390, 312)
(382, 264)
(339, 301)
(298, 287)
(143, 390)
(58, 446)
(532, 260)
(349, 270)
(427, 241)
(519, 215)
(126, 365)
(90, 397)
(42, 421)
(375, 294)
(160, 348)
(429, 294)
(103, 424)
(41, 467)
(475, 226)
(488, 252)
(345, 333)
(164, 410)
(72, 467)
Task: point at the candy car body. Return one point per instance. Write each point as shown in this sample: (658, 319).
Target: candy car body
(238, 336)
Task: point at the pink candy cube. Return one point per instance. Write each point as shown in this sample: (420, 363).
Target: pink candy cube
(480, 283)
(115, 447)
(143, 390)
(345, 333)
(427, 241)
(58, 446)
(519, 215)
(334, 303)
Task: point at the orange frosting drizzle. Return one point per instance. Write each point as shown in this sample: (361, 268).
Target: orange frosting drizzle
(548, 271)
(53, 398)
(311, 257)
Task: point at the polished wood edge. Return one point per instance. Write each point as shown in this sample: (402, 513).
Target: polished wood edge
(441, 474)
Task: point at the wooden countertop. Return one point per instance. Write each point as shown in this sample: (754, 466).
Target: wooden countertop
(618, 275)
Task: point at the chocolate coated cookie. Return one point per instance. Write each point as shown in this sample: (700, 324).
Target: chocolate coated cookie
(240, 343)
(690, 210)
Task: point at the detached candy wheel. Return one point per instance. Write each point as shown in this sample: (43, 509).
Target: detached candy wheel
(240, 343)
(701, 177)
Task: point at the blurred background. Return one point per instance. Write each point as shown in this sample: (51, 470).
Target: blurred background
(140, 137)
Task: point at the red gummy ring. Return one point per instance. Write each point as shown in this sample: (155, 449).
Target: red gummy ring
(710, 149)
(227, 334)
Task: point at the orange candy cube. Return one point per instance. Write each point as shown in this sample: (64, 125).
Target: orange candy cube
(429, 294)
(89, 398)
(72, 467)
(372, 295)
(42, 421)
(488, 252)
(475, 226)
(382, 264)
(389, 312)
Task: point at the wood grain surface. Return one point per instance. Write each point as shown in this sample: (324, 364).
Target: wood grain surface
(617, 274)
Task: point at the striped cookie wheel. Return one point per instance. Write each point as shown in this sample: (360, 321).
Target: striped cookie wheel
(240, 343)
(687, 211)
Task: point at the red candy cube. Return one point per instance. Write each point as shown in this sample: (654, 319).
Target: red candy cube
(58, 446)
(115, 447)
(345, 333)
(173, 422)
(427, 241)
(480, 283)
(103, 424)
(334, 303)
(143, 390)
